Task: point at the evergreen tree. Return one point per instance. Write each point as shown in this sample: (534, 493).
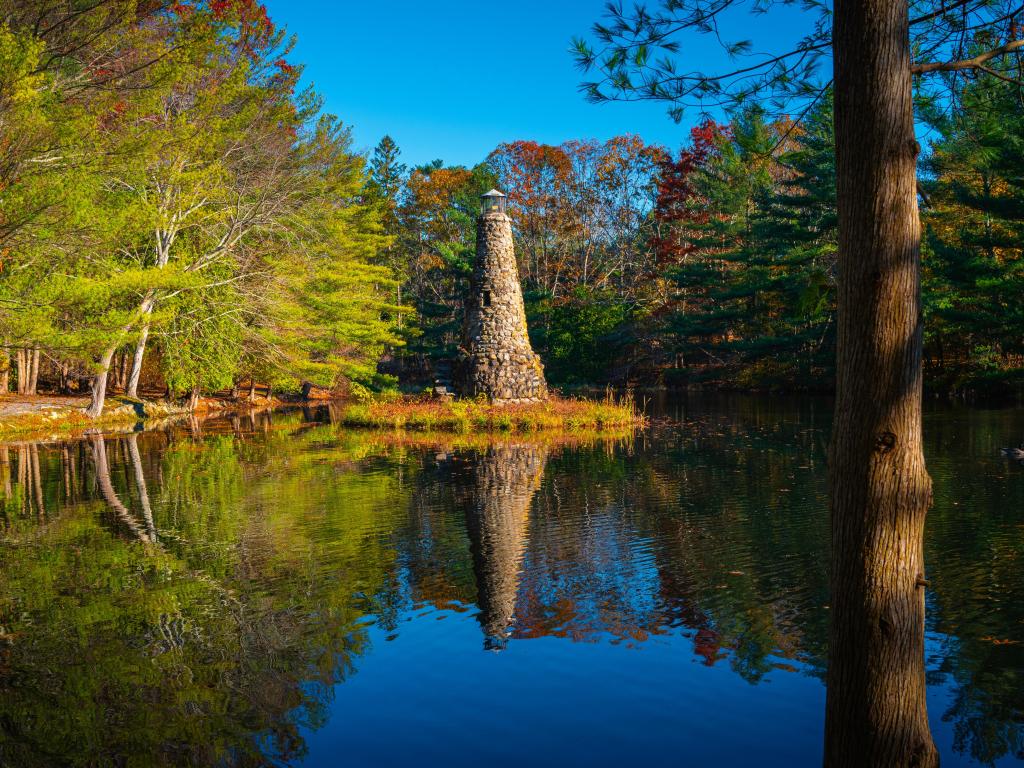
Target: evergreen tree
(974, 238)
(754, 265)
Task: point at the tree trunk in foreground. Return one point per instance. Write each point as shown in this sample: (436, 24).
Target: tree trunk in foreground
(98, 393)
(875, 713)
(33, 372)
(132, 387)
(21, 360)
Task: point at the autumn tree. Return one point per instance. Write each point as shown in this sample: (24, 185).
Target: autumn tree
(437, 240)
(880, 490)
(581, 219)
(747, 238)
(579, 210)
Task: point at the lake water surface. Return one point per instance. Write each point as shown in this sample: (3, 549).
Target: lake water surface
(280, 591)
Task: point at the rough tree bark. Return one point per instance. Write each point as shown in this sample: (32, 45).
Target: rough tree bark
(880, 490)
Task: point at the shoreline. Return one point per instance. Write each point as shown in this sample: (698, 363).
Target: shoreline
(55, 417)
(45, 418)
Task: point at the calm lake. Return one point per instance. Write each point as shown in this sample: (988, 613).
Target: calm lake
(279, 591)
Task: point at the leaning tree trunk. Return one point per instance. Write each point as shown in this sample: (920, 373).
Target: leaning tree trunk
(98, 393)
(875, 713)
(132, 387)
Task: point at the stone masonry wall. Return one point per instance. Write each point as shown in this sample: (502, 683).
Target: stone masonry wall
(497, 360)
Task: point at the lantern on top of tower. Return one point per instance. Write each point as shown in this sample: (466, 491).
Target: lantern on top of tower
(493, 202)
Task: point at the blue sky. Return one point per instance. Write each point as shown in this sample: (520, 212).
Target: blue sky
(452, 79)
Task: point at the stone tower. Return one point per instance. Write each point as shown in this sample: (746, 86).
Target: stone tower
(496, 358)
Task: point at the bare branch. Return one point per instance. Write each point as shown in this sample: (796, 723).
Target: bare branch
(976, 62)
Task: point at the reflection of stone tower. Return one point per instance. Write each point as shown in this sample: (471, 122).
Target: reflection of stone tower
(497, 360)
(504, 480)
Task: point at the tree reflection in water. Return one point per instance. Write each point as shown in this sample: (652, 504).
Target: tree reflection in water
(193, 595)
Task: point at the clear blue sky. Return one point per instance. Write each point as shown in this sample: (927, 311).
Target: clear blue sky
(451, 79)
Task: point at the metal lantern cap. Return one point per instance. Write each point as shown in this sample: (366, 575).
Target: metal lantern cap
(494, 201)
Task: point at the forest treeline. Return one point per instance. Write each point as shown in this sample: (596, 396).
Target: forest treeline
(171, 196)
(716, 265)
(176, 212)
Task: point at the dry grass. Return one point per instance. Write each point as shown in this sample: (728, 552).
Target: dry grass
(54, 425)
(40, 418)
(466, 416)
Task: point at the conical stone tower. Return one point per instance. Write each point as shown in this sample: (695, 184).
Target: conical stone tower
(496, 358)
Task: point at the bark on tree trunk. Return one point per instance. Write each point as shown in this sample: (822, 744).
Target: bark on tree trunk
(122, 370)
(22, 363)
(33, 371)
(252, 390)
(5, 371)
(132, 388)
(875, 712)
(193, 399)
(98, 390)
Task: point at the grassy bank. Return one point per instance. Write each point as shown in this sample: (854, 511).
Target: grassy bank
(464, 416)
(43, 417)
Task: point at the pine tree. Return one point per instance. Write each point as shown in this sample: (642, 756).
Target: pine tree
(974, 238)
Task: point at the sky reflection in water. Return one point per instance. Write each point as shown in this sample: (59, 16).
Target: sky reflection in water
(282, 591)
